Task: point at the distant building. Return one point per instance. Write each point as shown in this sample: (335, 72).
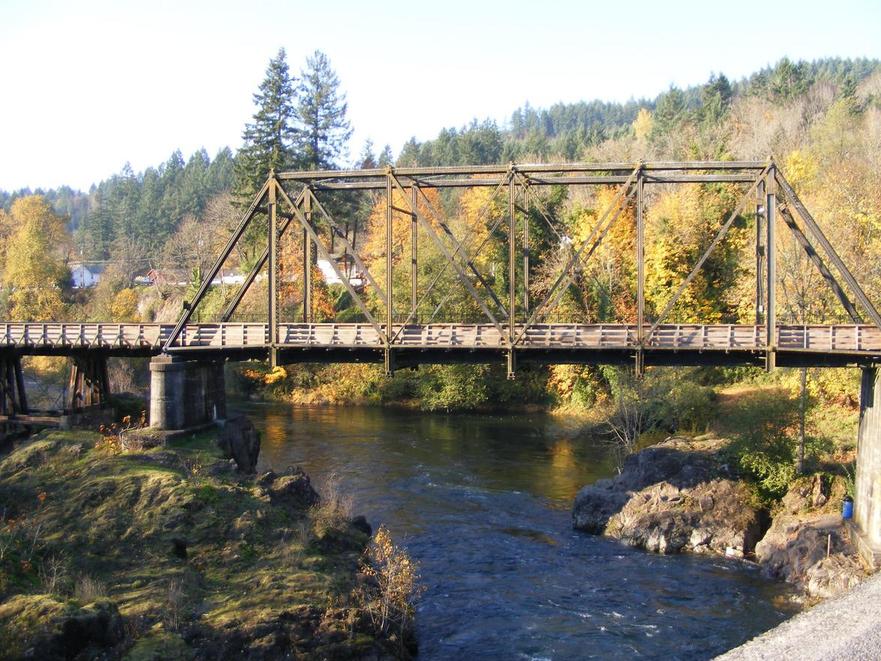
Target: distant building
(330, 276)
(85, 275)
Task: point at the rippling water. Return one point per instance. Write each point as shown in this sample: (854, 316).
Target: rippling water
(483, 503)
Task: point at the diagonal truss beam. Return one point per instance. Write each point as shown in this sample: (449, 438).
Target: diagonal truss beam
(723, 231)
(246, 285)
(466, 241)
(818, 262)
(830, 251)
(616, 206)
(218, 263)
(466, 244)
(462, 250)
(298, 214)
(448, 255)
(545, 214)
(350, 249)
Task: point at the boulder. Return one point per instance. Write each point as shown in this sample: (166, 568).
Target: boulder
(40, 627)
(671, 497)
(292, 489)
(807, 544)
(239, 440)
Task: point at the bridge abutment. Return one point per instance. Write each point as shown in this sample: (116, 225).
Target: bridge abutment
(867, 497)
(185, 393)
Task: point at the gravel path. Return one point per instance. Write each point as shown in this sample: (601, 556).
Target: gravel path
(848, 627)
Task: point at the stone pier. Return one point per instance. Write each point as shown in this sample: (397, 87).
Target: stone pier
(867, 499)
(185, 394)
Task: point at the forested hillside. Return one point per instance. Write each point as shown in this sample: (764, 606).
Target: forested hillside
(820, 120)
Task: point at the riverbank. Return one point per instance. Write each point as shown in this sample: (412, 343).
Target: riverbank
(685, 495)
(848, 625)
(171, 552)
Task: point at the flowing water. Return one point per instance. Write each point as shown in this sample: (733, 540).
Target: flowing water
(483, 502)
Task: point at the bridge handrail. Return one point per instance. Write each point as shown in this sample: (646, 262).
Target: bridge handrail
(849, 338)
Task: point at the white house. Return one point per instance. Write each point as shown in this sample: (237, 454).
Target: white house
(85, 275)
(331, 278)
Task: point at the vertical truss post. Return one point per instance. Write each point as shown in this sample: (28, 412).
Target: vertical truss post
(414, 251)
(640, 275)
(760, 253)
(389, 265)
(273, 271)
(512, 269)
(307, 263)
(771, 286)
(525, 189)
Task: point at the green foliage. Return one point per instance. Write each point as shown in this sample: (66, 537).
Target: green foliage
(763, 447)
(269, 141)
(321, 112)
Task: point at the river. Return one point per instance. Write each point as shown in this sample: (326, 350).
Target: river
(482, 502)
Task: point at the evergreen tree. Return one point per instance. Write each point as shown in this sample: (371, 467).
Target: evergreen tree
(268, 141)
(322, 114)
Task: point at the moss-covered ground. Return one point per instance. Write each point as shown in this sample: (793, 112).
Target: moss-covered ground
(190, 558)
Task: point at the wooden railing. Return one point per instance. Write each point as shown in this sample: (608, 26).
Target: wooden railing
(674, 337)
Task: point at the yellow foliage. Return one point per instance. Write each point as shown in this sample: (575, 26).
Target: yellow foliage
(680, 226)
(800, 168)
(275, 375)
(642, 125)
(34, 270)
(124, 306)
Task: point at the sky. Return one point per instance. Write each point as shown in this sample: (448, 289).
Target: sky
(90, 85)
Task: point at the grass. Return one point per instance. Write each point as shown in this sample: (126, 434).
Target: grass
(106, 523)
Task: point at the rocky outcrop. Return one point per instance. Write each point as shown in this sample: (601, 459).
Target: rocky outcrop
(66, 631)
(239, 440)
(675, 496)
(807, 544)
(292, 489)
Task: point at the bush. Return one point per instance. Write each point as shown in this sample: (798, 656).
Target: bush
(762, 446)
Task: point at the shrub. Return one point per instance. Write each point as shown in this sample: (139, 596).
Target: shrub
(394, 579)
(762, 446)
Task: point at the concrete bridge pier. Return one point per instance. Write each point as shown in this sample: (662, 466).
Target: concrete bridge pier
(185, 394)
(867, 499)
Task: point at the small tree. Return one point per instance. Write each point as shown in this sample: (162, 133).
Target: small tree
(35, 272)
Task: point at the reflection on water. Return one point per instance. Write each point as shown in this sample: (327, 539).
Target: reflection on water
(482, 502)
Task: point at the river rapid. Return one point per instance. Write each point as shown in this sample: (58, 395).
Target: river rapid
(483, 502)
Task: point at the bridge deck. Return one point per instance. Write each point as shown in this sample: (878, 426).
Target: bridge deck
(840, 344)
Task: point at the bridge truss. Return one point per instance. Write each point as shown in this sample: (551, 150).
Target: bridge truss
(302, 202)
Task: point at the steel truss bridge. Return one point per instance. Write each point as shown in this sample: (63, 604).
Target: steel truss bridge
(515, 324)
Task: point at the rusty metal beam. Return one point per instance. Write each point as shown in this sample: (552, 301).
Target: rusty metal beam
(818, 262)
(525, 168)
(218, 264)
(700, 262)
(836, 260)
(597, 236)
(323, 252)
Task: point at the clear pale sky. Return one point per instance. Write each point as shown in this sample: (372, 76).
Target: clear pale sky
(89, 85)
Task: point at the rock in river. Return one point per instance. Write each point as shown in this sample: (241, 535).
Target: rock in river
(674, 496)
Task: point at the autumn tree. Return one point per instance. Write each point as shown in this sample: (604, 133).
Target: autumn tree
(35, 273)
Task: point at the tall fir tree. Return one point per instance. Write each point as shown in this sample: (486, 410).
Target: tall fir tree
(325, 130)
(269, 141)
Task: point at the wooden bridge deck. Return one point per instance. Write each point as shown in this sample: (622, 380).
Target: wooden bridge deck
(692, 343)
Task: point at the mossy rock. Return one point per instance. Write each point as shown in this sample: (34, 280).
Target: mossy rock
(159, 645)
(43, 627)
